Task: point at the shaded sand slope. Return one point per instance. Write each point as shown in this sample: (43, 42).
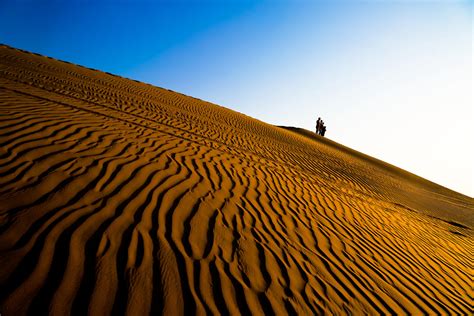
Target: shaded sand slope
(120, 197)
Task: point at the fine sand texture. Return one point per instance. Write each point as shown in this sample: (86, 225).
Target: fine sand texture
(118, 197)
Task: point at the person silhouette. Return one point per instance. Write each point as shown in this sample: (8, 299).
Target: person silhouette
(318, 125)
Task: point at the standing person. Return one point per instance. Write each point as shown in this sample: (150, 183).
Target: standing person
(318, 125)
(323, 131)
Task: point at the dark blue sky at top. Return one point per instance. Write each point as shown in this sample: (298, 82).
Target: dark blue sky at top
(109, 35)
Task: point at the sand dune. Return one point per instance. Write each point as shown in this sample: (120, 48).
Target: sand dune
(117, 197)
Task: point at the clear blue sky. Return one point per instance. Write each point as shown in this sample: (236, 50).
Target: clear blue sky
(392, 79)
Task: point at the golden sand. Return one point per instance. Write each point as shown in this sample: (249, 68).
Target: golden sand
(117, 197)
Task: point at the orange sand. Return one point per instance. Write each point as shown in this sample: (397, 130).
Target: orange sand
(117, 197)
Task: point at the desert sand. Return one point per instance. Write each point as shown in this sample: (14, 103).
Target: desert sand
(118, 197)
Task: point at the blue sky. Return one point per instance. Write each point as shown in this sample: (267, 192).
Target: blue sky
(392, 79)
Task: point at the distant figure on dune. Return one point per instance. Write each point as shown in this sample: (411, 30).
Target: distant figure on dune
(318, 125)
(320, 128)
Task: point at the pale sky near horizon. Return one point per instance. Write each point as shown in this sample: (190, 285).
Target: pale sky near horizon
(392, 79)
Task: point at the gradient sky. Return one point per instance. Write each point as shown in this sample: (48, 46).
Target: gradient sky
(392, 79)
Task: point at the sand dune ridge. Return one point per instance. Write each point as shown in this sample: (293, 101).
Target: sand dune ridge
(117, 197)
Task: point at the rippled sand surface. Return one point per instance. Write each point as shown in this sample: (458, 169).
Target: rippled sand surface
(117, 197)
